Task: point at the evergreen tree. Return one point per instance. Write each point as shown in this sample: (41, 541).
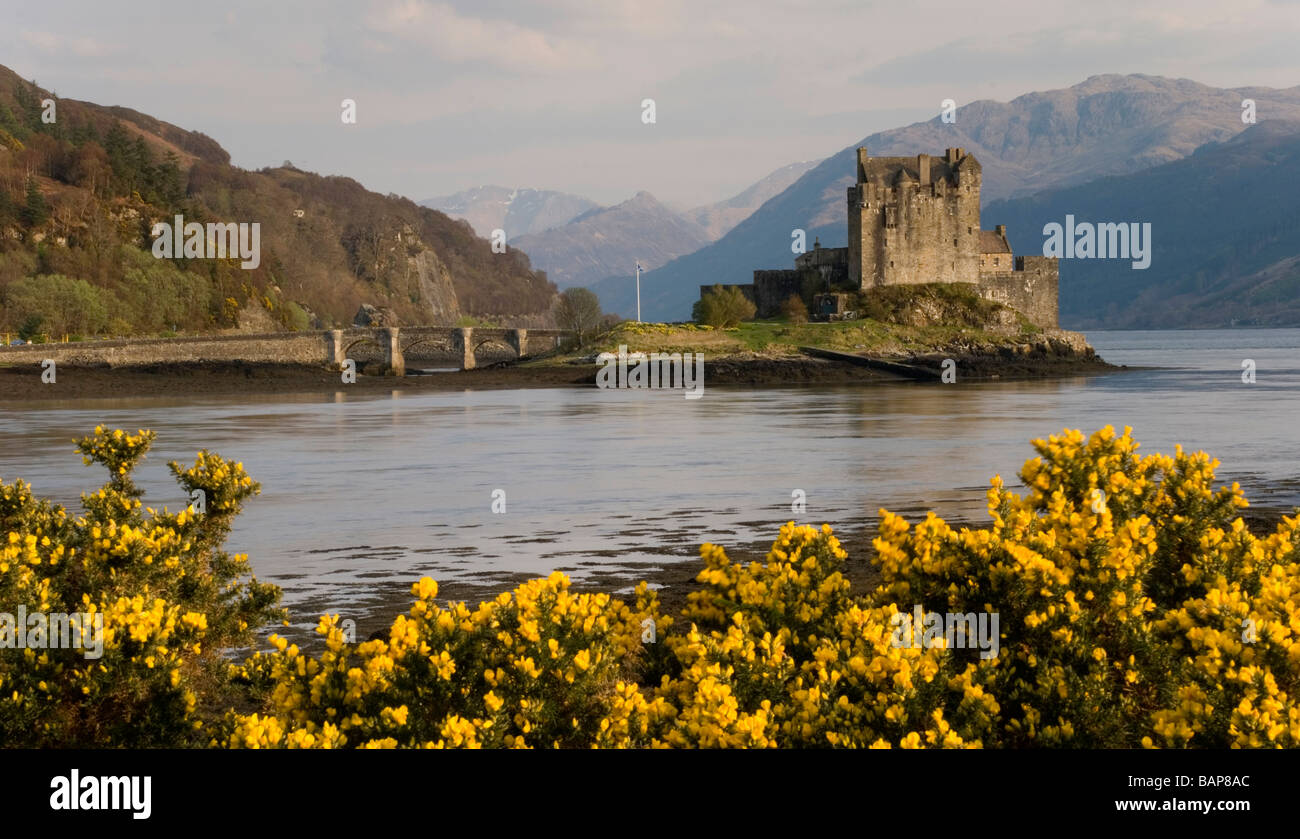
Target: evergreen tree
(35, 211)
(10, 123)
(116, 144)
(29, 106)
(83, 132)
(168, 187)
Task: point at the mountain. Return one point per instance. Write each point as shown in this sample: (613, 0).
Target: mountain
(717, 219)
(1225, 232)
(79, 197)
(516, 211)
(1106, 125)
(609, 241)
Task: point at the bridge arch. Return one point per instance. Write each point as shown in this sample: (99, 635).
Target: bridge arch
(496, 342)
(439, 342)
(341, 344)
(365, 339)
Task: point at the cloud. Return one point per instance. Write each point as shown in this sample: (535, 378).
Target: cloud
(533, 91)
(1165, 42)
(65, 47)
(448, 36)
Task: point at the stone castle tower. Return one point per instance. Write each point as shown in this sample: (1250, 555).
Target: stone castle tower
(917, 220)
(914, 220)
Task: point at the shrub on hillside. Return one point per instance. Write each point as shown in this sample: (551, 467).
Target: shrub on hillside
(794, 310)
(722, 307)
(952, 304)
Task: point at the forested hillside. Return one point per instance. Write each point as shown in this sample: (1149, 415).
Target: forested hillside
(79, 196)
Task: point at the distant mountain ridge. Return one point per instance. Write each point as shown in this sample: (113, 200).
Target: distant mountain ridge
(719, 218)
(1225, 231)
(609, 241)
(516, 211)
(1106, 125)
(578, 242)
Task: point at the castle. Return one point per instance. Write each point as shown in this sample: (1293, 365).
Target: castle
(915, 220)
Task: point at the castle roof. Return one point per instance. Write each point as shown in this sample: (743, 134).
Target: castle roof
(891, 171)
(993, 242)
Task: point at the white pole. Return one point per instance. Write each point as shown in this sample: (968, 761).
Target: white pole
(638, 292)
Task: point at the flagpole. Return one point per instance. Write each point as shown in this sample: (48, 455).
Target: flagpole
(638, 292)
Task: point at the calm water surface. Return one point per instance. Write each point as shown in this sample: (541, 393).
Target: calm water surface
(364, 494)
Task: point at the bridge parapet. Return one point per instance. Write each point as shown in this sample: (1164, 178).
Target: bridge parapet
(273, 347)
(327, 346)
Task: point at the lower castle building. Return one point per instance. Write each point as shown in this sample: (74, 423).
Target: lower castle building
(916, 220)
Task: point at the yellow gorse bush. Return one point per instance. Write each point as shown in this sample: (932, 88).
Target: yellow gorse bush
(536, 666)
(170, 601)
(1125, 586)
(1134, 607)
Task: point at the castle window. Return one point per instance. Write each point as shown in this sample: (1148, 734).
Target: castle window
(997, 260)
(969, 230)
(954, 242)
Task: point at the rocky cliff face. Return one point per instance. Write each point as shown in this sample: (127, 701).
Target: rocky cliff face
(437, 291)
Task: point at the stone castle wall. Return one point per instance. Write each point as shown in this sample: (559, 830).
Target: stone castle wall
(917, 229)
(829, 265)
(1031, 289)
(772, 288)
(995, 263)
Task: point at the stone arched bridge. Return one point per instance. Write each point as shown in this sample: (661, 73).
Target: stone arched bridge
(390, 345)
(395, 342)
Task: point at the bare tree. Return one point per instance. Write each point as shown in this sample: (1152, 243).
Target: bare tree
(579, 312)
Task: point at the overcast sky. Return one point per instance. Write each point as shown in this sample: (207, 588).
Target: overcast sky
(547, 93)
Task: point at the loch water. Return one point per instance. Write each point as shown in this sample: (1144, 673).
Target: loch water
(363, 494)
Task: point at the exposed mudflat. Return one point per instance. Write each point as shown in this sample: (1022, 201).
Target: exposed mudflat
(23, 382)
